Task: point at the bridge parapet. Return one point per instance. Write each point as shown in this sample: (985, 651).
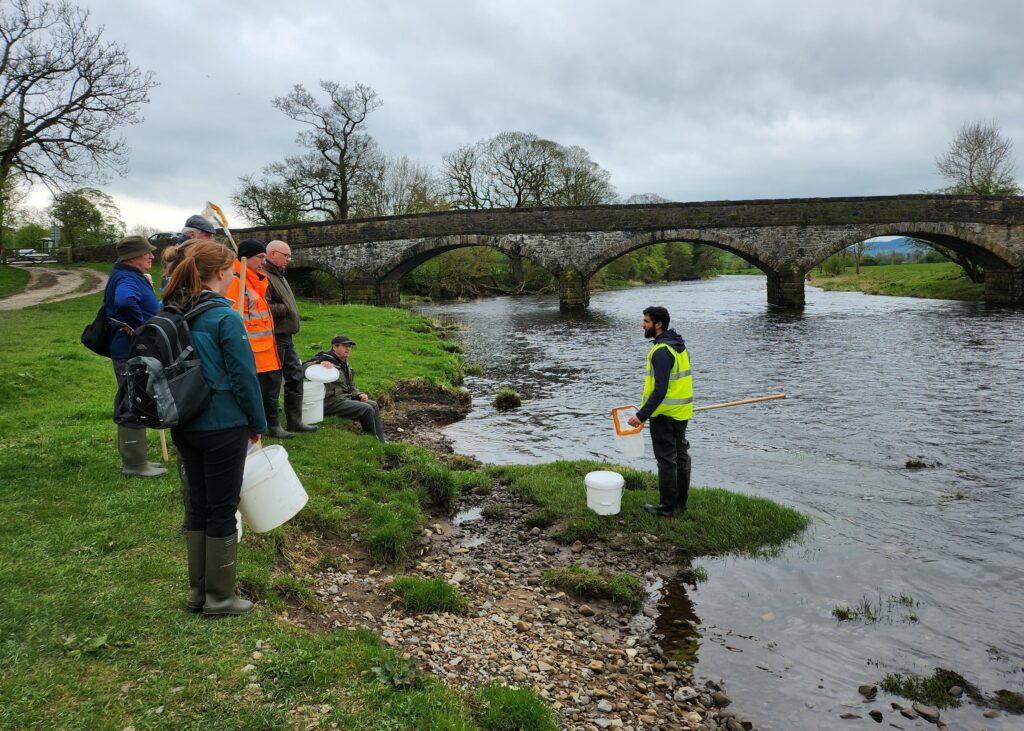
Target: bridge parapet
(783, 238)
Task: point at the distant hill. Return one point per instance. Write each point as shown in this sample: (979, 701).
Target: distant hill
(886, 244)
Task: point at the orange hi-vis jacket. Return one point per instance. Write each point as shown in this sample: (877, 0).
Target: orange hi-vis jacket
(259, 323)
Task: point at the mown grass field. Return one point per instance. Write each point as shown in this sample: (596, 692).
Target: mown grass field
(91, 629)
(12, 280)
(92, 632)
(944, 280)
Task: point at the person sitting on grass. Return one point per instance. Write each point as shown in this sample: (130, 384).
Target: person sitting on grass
(341, 397)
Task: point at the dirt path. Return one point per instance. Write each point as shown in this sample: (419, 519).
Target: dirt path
(53, 285)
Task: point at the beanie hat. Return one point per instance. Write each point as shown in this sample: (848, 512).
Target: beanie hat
(251, 247)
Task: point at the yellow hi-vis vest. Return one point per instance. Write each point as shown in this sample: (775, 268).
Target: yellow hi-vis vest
(678, 401)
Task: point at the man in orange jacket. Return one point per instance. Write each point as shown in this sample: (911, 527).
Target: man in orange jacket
(259, 324)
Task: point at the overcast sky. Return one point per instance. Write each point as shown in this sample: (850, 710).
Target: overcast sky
(732, 99)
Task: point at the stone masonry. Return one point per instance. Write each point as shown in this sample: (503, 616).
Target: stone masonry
(783, 238)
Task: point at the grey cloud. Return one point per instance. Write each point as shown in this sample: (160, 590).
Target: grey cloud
(693, 100)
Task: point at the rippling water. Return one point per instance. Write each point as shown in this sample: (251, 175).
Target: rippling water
(871, 382)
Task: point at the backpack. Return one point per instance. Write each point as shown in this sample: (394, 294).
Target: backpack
(164, 383)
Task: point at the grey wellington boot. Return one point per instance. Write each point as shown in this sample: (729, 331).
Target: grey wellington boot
(293, 414)
(123, 432)
(195, 545)
(131, 443)
(221, 599)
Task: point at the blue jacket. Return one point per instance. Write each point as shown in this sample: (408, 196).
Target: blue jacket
(129, 298)
(223, 345)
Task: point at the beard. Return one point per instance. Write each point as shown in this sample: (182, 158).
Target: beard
(649, 332)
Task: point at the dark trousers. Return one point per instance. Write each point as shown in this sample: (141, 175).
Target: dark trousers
(270, 387)
(291, 371)
(367, 413)
(214, 462)
(672, 451)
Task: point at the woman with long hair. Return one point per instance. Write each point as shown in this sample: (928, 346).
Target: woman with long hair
(213, 445)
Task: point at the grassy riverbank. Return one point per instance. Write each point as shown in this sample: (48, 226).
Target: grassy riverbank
(12, 280)
(716, 521)
(91, 629)
(943, 280)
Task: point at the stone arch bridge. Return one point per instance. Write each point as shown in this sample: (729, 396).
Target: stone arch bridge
(783, 238)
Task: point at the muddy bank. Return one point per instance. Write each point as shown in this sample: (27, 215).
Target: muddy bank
(414, 410)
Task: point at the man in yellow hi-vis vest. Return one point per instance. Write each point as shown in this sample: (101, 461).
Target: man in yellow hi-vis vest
(668, 405)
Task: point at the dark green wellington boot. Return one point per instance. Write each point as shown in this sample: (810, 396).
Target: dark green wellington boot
(293, 415)
(131, 445)
(221, 599)
(195, 546)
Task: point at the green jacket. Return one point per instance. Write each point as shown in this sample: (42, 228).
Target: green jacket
(281, 300)
(344, 389)
(223, 346)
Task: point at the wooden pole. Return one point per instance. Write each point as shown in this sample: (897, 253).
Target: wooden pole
(741, 403)
(242, 286)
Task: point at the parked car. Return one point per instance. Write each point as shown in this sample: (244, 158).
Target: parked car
(164, 238)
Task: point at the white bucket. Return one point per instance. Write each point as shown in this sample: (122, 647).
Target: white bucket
(238, 523)
(271, 491)
(604, 492)
(313, 402)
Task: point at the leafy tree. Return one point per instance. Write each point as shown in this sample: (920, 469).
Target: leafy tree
(87, 217)
(979, 161)
(29, 235)
(268, 202)
(337, 149)
(64, 94)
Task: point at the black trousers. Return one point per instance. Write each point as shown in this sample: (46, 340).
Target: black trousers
(291, 371)
(270, 387)
(672, 451)
(214, 462)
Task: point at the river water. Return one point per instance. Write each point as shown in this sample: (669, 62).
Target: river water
(871, 382)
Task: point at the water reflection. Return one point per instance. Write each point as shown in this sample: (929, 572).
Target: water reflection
(871, 383)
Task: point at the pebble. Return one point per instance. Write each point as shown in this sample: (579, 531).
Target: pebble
(590, 661)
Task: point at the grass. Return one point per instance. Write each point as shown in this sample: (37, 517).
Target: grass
(423, 596)
(506, 708)
(943, 280)
(494, 511)
(624, 588)
(931, 689)
(507, 398)
(92, 632)
(13, 280)
(890, 610)
(717, 521)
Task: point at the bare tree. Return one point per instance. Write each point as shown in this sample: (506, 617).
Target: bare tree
(64, 93)
(396, 186)
(645, 199)
(338, 149)
(517, 170)
(979, 161)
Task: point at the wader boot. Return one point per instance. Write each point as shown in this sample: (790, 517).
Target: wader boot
(293, 414)
(221, 599)
(195, 546)
(131, 444)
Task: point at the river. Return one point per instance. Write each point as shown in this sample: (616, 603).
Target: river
(871, 382)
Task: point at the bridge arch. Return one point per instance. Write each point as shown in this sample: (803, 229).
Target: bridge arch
(716, 239)
(423, 250)
(962, 238)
